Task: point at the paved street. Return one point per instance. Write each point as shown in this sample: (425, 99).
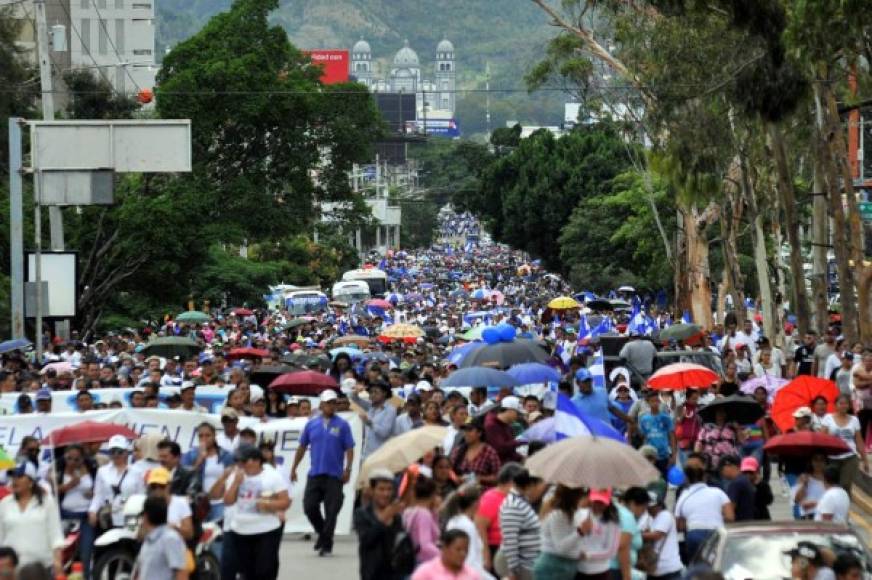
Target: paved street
(297, 556)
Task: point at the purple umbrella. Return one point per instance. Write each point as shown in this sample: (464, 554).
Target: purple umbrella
(770, 383)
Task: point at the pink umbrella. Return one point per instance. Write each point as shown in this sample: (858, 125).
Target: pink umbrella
(59, 367)
(770, 383)
(497, 297)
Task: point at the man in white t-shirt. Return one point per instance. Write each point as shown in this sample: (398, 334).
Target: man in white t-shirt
(834, 504)
(179, 516)
(663, 532)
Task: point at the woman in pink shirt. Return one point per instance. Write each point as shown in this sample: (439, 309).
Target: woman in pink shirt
(449, 565)
(420, 520)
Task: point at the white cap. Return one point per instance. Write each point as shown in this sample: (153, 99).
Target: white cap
(328, 395)
(511, 402)
(118, 442)
(256, 393)
(423, 386)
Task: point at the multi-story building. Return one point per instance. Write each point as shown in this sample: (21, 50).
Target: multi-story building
(112, 38)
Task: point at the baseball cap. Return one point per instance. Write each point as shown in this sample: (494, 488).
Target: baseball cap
(348, 384)
(118, 442)
(327, 396)
(601, 495)
(188, 385)
(806, 550)
(43, 394)
(256, 393)
(158, 476)
(423, 386)
(802, 412)
(380, 474)
(293, 401)
(583, 374)
(749, 464)
(511, 402)
(229, 413)
(729, 460)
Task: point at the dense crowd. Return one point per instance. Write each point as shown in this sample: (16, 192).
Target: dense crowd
(467, 507)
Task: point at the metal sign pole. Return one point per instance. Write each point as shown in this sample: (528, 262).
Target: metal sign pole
(16, 227)
(37, 182)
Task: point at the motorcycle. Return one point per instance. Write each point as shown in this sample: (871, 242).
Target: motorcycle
(116, 550)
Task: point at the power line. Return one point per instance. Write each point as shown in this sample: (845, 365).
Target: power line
(87, 50)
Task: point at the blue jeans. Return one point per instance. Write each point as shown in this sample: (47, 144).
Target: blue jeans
(792, 478)
(693, 539)
(87, 535)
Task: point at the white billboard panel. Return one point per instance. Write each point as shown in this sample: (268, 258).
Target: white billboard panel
(60, 270)
(127, 146)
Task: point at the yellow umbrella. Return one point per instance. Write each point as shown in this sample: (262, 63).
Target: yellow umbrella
(6, 462)
(400, 331)
(563, 303)
(401, 451)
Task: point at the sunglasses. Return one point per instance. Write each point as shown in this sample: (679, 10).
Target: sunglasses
(117, 451)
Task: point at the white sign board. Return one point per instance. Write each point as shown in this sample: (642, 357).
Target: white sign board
(127, 146)
(59, 269)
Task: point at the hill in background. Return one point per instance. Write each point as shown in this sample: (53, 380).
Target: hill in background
(510, 35)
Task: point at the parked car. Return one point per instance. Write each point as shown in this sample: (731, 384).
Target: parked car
(757, 549)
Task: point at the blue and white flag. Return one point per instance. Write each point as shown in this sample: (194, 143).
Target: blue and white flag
(638, 323)
(583, 328)
(570, 422)
(383, 263)
(603, 327)
(686, 318)
(598, 370)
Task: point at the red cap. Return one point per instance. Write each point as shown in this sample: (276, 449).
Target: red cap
(601, 495)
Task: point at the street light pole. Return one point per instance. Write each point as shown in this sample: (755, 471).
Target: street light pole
(16, 227)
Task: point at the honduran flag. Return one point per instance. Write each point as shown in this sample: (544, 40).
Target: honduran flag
(570, 422)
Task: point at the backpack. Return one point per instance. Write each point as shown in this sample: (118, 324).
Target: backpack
(403, 555)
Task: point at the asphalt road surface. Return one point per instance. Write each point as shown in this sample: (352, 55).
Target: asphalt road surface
(300, 562)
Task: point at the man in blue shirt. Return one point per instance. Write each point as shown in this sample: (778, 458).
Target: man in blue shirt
(330, 439)
(657, 429)
(593, 403)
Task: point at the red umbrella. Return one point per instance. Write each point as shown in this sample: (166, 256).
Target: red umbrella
(304, 383)
(680, 376)
(804, 443)
(800, 392)
(241, 312)
(246, 352)
(379, 303)
(87, 432)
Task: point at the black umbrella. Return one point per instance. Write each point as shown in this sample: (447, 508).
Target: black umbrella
(171, 346)
(265, 374)
(506, 354)
(739, 408)
(600, 304)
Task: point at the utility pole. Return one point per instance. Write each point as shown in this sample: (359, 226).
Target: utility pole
(16, 227)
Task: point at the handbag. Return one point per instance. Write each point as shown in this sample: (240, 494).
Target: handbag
(649, 554)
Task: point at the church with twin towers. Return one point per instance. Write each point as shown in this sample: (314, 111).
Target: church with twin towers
(434, 90)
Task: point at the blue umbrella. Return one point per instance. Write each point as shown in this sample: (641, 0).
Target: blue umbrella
(426, 286)
(14, 344)
(479, 377)
(532, 373)
(352, 352)
(480, 294)
(458, 353)
(544, 431)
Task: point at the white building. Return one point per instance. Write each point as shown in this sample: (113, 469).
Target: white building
(434, 94)
(112, 38)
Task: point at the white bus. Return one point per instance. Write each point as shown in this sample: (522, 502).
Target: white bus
(301, 302)
(351, 292)
(377, 280)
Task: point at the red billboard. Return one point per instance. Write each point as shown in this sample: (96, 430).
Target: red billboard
(334, 64)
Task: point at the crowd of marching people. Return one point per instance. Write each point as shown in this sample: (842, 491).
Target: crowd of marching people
(470, 504)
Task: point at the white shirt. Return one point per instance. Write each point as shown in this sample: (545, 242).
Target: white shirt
(78, 499)
(834, 502)
(247, 520)
(702, 507)
(475, 556)
(33, 533)
(846, 433)
(448, 442)
(669, 559)
(108, 476)
(226, 443)
(177, 510)
(814, 490)
(213, 469)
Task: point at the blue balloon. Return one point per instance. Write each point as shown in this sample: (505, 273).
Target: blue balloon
(490, 335)
(507, 332)
(675, 476)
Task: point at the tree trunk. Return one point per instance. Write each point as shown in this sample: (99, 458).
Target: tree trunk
(699, 296)
(730, 236)
(761, 264)
(786, 191)
(826, 152)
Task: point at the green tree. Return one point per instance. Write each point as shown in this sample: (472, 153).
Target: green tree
(92, 97)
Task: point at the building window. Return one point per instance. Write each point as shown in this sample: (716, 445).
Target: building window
(102, 38)
(85, 33)
(119, 35)
(866, 145)
(141, 51)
